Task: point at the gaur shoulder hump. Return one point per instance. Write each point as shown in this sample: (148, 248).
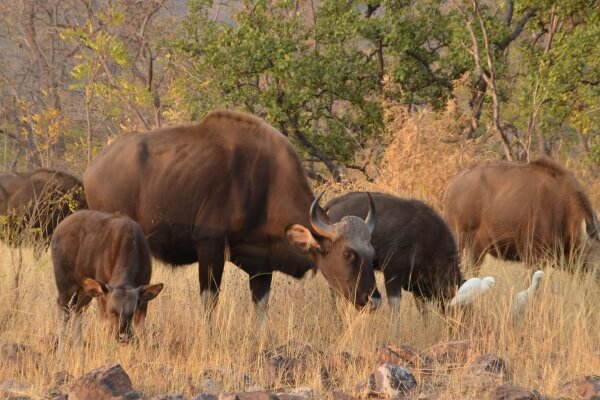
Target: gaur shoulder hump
(235, 117)
(550, 166)
(56, 173)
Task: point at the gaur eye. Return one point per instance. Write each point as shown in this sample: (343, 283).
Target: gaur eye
(349, 255)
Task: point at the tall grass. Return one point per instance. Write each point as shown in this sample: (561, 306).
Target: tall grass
(554, 343)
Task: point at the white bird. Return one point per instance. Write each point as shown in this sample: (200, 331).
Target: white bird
(523, 297)
(472, 289)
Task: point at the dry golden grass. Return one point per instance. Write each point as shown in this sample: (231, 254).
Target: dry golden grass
(555, 343)
(558, 340)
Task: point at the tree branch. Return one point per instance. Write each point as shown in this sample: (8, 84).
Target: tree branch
(417, 57)
(504, 42)
(487, 74)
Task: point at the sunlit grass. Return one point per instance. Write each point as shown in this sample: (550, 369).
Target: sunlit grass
(556, 342)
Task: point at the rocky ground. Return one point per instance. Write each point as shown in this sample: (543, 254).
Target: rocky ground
(399, 372)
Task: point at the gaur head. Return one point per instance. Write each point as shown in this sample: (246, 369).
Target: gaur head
(122, 307)
(343, 252)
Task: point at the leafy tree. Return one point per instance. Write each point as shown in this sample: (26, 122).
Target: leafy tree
(311, 79)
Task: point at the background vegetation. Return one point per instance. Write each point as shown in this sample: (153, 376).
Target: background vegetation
(519, 78)
(390, 95)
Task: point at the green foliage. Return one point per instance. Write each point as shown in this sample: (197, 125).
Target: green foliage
(102, 68)
(567, 74)
(306, 79)
(320, 72)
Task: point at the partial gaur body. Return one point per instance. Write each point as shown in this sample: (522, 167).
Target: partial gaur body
(37, 201)
(414, 247)
(106, 256)
(522, 212)
(231, 180)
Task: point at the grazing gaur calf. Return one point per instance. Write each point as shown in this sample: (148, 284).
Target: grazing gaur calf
(414, 247)
(231, 181)
(522, 212)
(106, 256)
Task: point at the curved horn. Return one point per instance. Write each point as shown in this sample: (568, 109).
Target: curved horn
(372, 215)
(318, 225)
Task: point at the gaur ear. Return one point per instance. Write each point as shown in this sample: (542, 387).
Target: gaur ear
(149, 292)
(301, 238)
(94, 288)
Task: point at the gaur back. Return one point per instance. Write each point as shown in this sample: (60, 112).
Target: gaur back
(229, 180)
(521, 212)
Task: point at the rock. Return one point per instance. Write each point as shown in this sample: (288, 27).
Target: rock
(297, 350)
(291, 396)
(511, 392)
(12, 388)
(19, 356)
(454, 352)
(248, 396)
(281, 369)
(214, 378)
(586, 387)
(204, 396)
(335, 395)
(394, 380)
(58, 383)
(403, 355)
(304, 391)
(105, 383)
(299, 393)
(490, 364)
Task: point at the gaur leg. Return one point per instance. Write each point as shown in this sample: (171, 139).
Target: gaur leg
(260, 286)
(211, 262)
(393, 290)
(473, 255)
(71, 302)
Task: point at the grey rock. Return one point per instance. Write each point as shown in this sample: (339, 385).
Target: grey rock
(511, 392)
(336, 395)
(282, 370)
(394, 380)
(205, 396)
(490, 364)
(12, 388)
(585, 388)
(19, 356)
(248, 396)
(453, 352)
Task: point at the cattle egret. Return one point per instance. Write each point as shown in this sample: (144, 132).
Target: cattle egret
(471, 290)
(523, 297)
